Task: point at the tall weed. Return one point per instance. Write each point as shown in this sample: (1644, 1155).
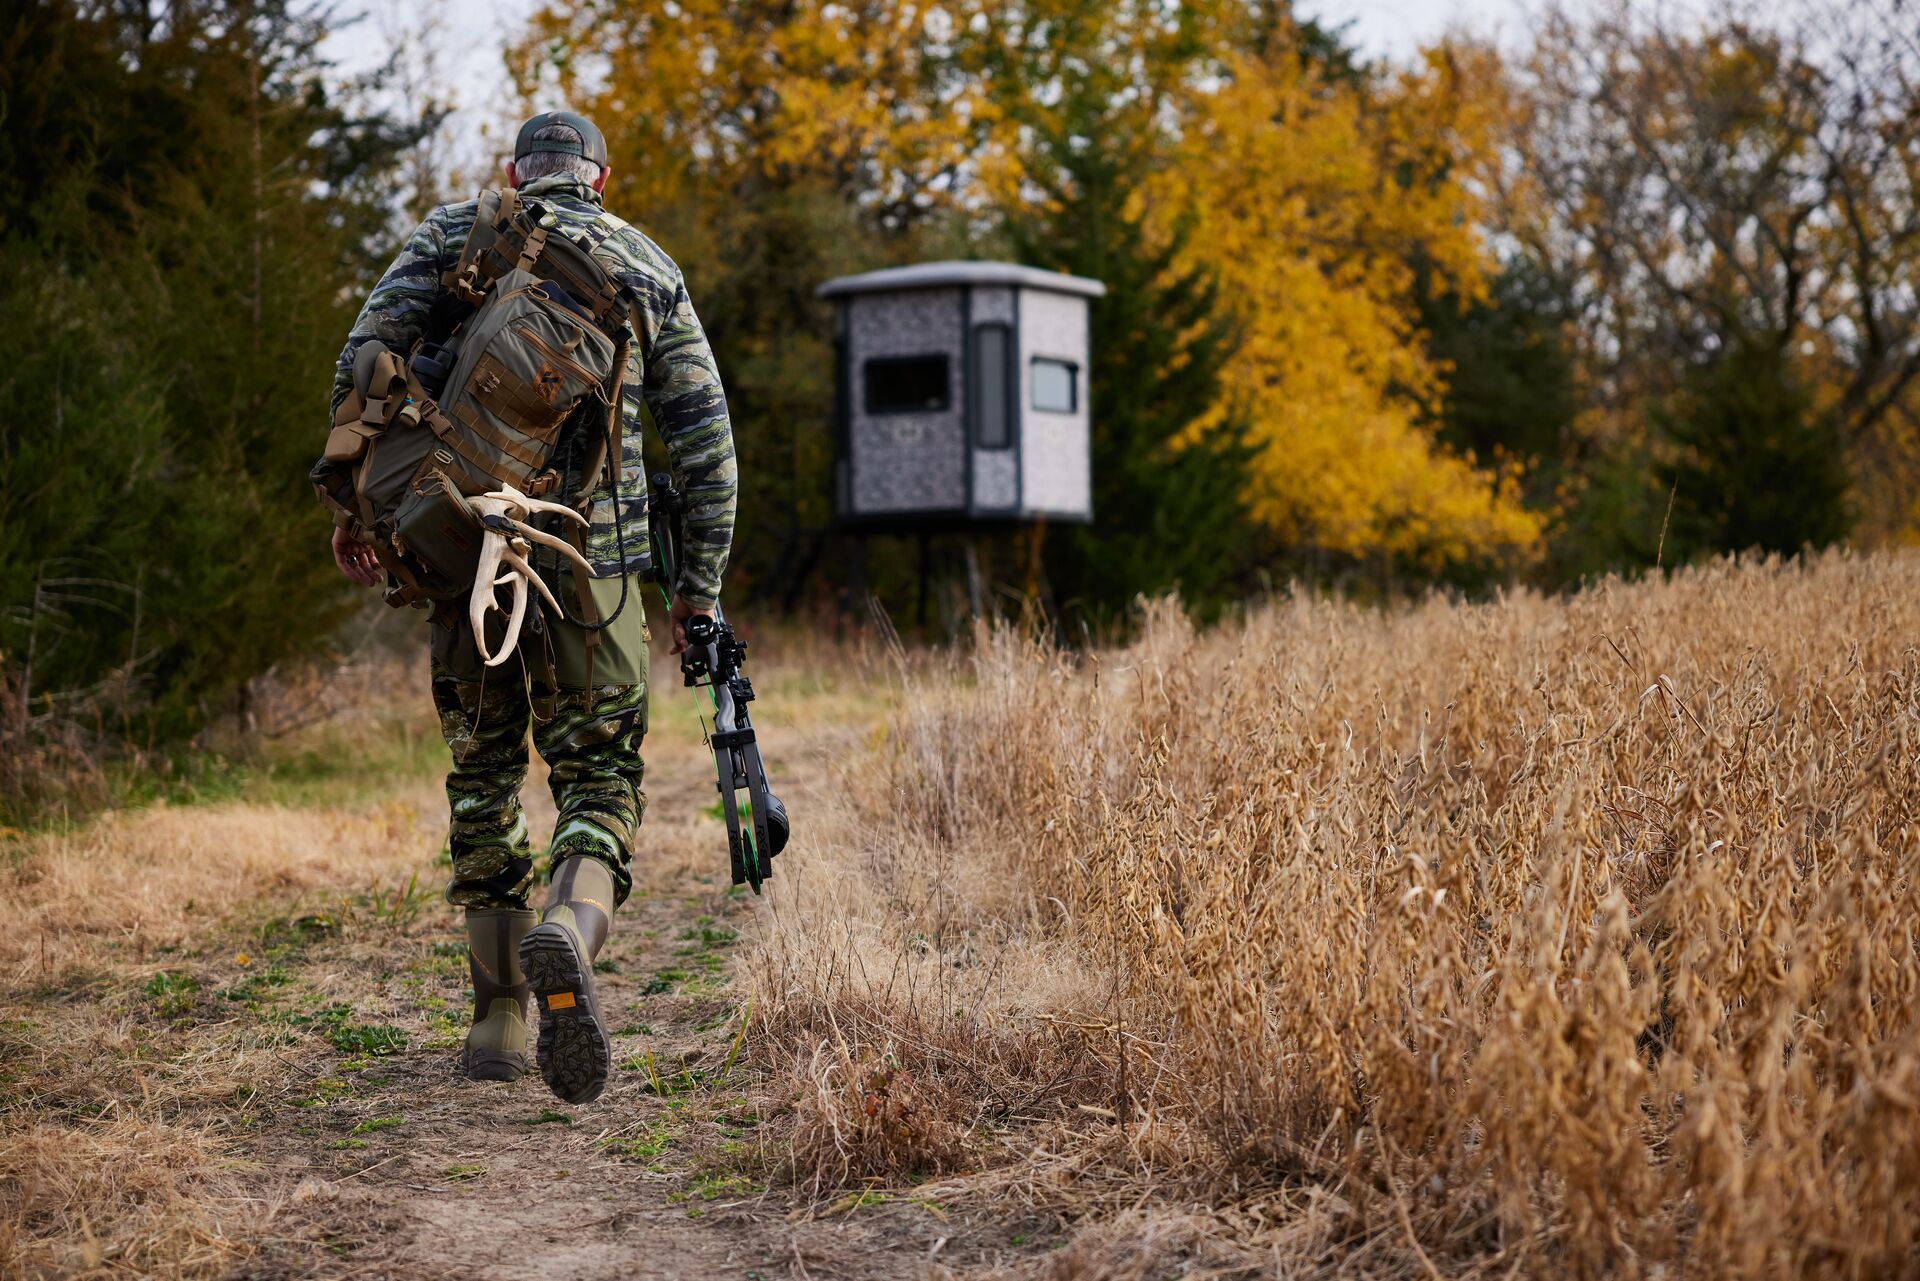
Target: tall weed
(1559, 934)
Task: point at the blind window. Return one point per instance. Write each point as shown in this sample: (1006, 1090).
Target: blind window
(1055, 386)
(992, 406)
(906, 384)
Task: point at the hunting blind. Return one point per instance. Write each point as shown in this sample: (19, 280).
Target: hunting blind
(962, 395)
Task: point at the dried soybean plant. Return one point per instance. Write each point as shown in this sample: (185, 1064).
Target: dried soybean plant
(1560, 935)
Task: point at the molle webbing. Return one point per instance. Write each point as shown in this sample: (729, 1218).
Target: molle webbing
(487, 448)
(508, 236)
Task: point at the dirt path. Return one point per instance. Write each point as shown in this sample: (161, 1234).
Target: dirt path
(267, 1088)
(408, 1171)
(399, 1168)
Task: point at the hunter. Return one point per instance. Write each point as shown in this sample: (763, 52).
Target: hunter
(587, 706)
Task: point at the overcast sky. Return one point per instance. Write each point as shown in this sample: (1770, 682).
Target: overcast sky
(470, 49)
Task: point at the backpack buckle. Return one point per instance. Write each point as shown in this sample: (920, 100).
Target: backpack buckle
(468, 288)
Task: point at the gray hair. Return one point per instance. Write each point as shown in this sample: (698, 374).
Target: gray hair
(539, 164)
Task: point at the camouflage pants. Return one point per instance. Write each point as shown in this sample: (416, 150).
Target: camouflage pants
(591, 744)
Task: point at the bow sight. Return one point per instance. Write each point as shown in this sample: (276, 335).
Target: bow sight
(756, 821)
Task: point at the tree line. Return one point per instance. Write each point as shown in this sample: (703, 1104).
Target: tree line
(190, 206)
(1643, 290)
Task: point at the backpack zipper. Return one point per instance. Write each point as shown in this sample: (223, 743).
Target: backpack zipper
(586, 375)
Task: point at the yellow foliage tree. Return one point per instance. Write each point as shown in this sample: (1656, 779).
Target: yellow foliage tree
(1311, 198)
(767, 147)
(707, 101)
(1308, 196)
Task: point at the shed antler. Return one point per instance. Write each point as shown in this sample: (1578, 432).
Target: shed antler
(505, 545)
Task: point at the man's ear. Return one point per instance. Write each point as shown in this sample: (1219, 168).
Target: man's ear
(512, 179)
(600, 183)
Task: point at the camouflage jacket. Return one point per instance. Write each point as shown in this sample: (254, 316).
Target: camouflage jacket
(671, 371)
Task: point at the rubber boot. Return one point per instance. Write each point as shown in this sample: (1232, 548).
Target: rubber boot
(575, 1052)
(497, 1042)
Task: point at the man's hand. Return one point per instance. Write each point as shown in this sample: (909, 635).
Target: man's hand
(681, 613)
(355, 559)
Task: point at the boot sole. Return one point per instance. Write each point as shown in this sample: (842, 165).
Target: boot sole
(574, 1050)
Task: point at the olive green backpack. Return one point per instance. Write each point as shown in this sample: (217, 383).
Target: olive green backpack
(525, 392)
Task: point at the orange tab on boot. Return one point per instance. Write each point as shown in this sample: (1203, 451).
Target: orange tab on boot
(560, 1001)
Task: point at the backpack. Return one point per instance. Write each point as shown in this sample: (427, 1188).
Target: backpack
(522, 393)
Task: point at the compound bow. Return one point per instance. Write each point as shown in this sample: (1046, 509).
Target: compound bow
(756, 822)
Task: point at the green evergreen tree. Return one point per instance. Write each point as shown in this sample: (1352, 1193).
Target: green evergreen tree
(1510, 388)
(1758, 468)
(1167, 512)
(1737, 459)
(191, 215)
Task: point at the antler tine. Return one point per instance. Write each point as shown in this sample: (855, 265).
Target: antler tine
(558, 509)
(513, 622)
(560, 545)
(520, 567)
(528, 506)
(492, 548)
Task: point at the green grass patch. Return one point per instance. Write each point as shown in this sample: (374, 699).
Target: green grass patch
(448, 1029)
(367, 1039)
(376, 1124)
(715, 1184)
(172, 993)
(400, 905)
(261, 985)
(663, 983)
(648, 1145)
(709, 935)
(358, 1040)
(339, 765)
(286, 937)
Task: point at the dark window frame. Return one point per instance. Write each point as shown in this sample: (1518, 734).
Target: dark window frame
(868, 366)
(1073, 385)
(1009, 387)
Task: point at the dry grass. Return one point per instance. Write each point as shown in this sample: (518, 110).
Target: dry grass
(117, 1113)
(142, 880)
(77, 1206)
(138, 1070)
(1533, 938)
(118, 1105)
(1544, 937)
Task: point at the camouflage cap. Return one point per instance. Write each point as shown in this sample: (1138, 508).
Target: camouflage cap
(593, 146)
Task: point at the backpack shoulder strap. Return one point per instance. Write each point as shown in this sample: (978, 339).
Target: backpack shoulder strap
(572, 265)
(494, 246)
